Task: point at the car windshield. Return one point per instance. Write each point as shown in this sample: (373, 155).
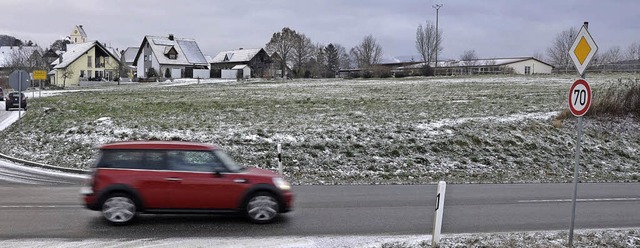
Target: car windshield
(228, 161)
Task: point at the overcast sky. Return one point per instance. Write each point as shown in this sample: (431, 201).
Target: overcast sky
(493, 28)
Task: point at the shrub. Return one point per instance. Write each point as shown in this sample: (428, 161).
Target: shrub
(167, 73)
(152, 73)
(400, 74)
(613, 101)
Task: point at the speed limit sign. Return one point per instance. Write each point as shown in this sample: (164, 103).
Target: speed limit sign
(579, 97)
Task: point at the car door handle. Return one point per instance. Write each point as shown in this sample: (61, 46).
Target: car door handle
(173, 179)
(240, 180)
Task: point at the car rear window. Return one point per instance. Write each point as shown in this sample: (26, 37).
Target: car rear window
(132, 159)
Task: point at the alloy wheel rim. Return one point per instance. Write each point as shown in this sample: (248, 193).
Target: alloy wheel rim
(119, 209)
(262, 208)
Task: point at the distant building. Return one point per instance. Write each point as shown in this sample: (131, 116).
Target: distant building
(518, 65)
(78, 35)
(257, 59)
(19, 58)
(170, 57)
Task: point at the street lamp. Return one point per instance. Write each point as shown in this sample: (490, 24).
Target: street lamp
(437, 7)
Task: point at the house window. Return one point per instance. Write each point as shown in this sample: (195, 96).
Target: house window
(106, 60)
(527, 70)
(82, 74)
(89, 73)
(172, 56)
(89, 61)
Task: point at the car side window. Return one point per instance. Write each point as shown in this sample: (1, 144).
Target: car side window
(200, 161)
(154, 160)
(122, 159)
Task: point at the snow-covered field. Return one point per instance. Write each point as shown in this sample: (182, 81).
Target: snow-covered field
(481, 129)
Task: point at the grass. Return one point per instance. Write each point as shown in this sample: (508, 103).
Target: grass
(485, 129)
(582, 238)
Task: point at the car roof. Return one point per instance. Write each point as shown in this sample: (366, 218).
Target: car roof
(158, 145)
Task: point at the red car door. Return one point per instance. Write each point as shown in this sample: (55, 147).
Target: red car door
(196, 186)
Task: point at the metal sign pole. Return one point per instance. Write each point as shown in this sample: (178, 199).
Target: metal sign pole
(20, 95)
(576, 173)
(575, 181)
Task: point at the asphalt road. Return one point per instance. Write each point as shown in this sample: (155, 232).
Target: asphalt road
(46, 211)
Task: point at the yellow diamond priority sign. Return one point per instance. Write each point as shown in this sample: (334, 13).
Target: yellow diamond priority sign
(582, 50)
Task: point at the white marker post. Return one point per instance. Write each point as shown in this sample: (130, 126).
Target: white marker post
(279, 159)
(437, 216)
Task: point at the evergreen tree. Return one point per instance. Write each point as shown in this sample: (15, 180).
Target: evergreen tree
(333, 59)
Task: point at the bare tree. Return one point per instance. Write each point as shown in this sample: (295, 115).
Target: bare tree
(368, 53)
(303, 50)
(558, 53)
(66, 73)
(633, 52)
(283, 43)
(614, 54)
(343, 57)
(427, 41)
(27, 58)
(468, 59)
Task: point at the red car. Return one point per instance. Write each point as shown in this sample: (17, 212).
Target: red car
(181, 177)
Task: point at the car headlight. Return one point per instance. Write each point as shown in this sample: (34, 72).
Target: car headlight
(281, 184)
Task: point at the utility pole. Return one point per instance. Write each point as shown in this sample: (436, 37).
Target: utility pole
(437, 7)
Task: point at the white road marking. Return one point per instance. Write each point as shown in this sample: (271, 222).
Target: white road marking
(580, 200)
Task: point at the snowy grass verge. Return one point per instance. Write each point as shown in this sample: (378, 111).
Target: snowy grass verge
(548, 239)
(483, 129)
(582, 238)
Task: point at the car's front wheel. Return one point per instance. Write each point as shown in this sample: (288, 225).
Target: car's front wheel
(262, 208)
(119, 209)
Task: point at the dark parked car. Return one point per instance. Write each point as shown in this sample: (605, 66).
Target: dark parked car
(13, 101)
(180, 177)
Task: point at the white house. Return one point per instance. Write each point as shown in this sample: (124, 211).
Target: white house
(516, 65)
(169, 57)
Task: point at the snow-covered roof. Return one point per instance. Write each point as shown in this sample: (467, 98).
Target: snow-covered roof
(240, 55)
(130, 54)
(189, 52)
(74, 52)
(209, 59)
(6, 53)
(239, 67)
(192, 51)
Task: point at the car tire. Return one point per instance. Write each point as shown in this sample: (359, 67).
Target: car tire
(119, 209)
(261, 208)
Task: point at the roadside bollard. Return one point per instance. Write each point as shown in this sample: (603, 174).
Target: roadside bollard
(437, 216)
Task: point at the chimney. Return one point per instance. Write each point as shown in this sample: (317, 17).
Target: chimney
(80, 25)
(170, 36)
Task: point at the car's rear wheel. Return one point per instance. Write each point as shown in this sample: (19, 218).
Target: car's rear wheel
(262, 208)
(119, 209)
